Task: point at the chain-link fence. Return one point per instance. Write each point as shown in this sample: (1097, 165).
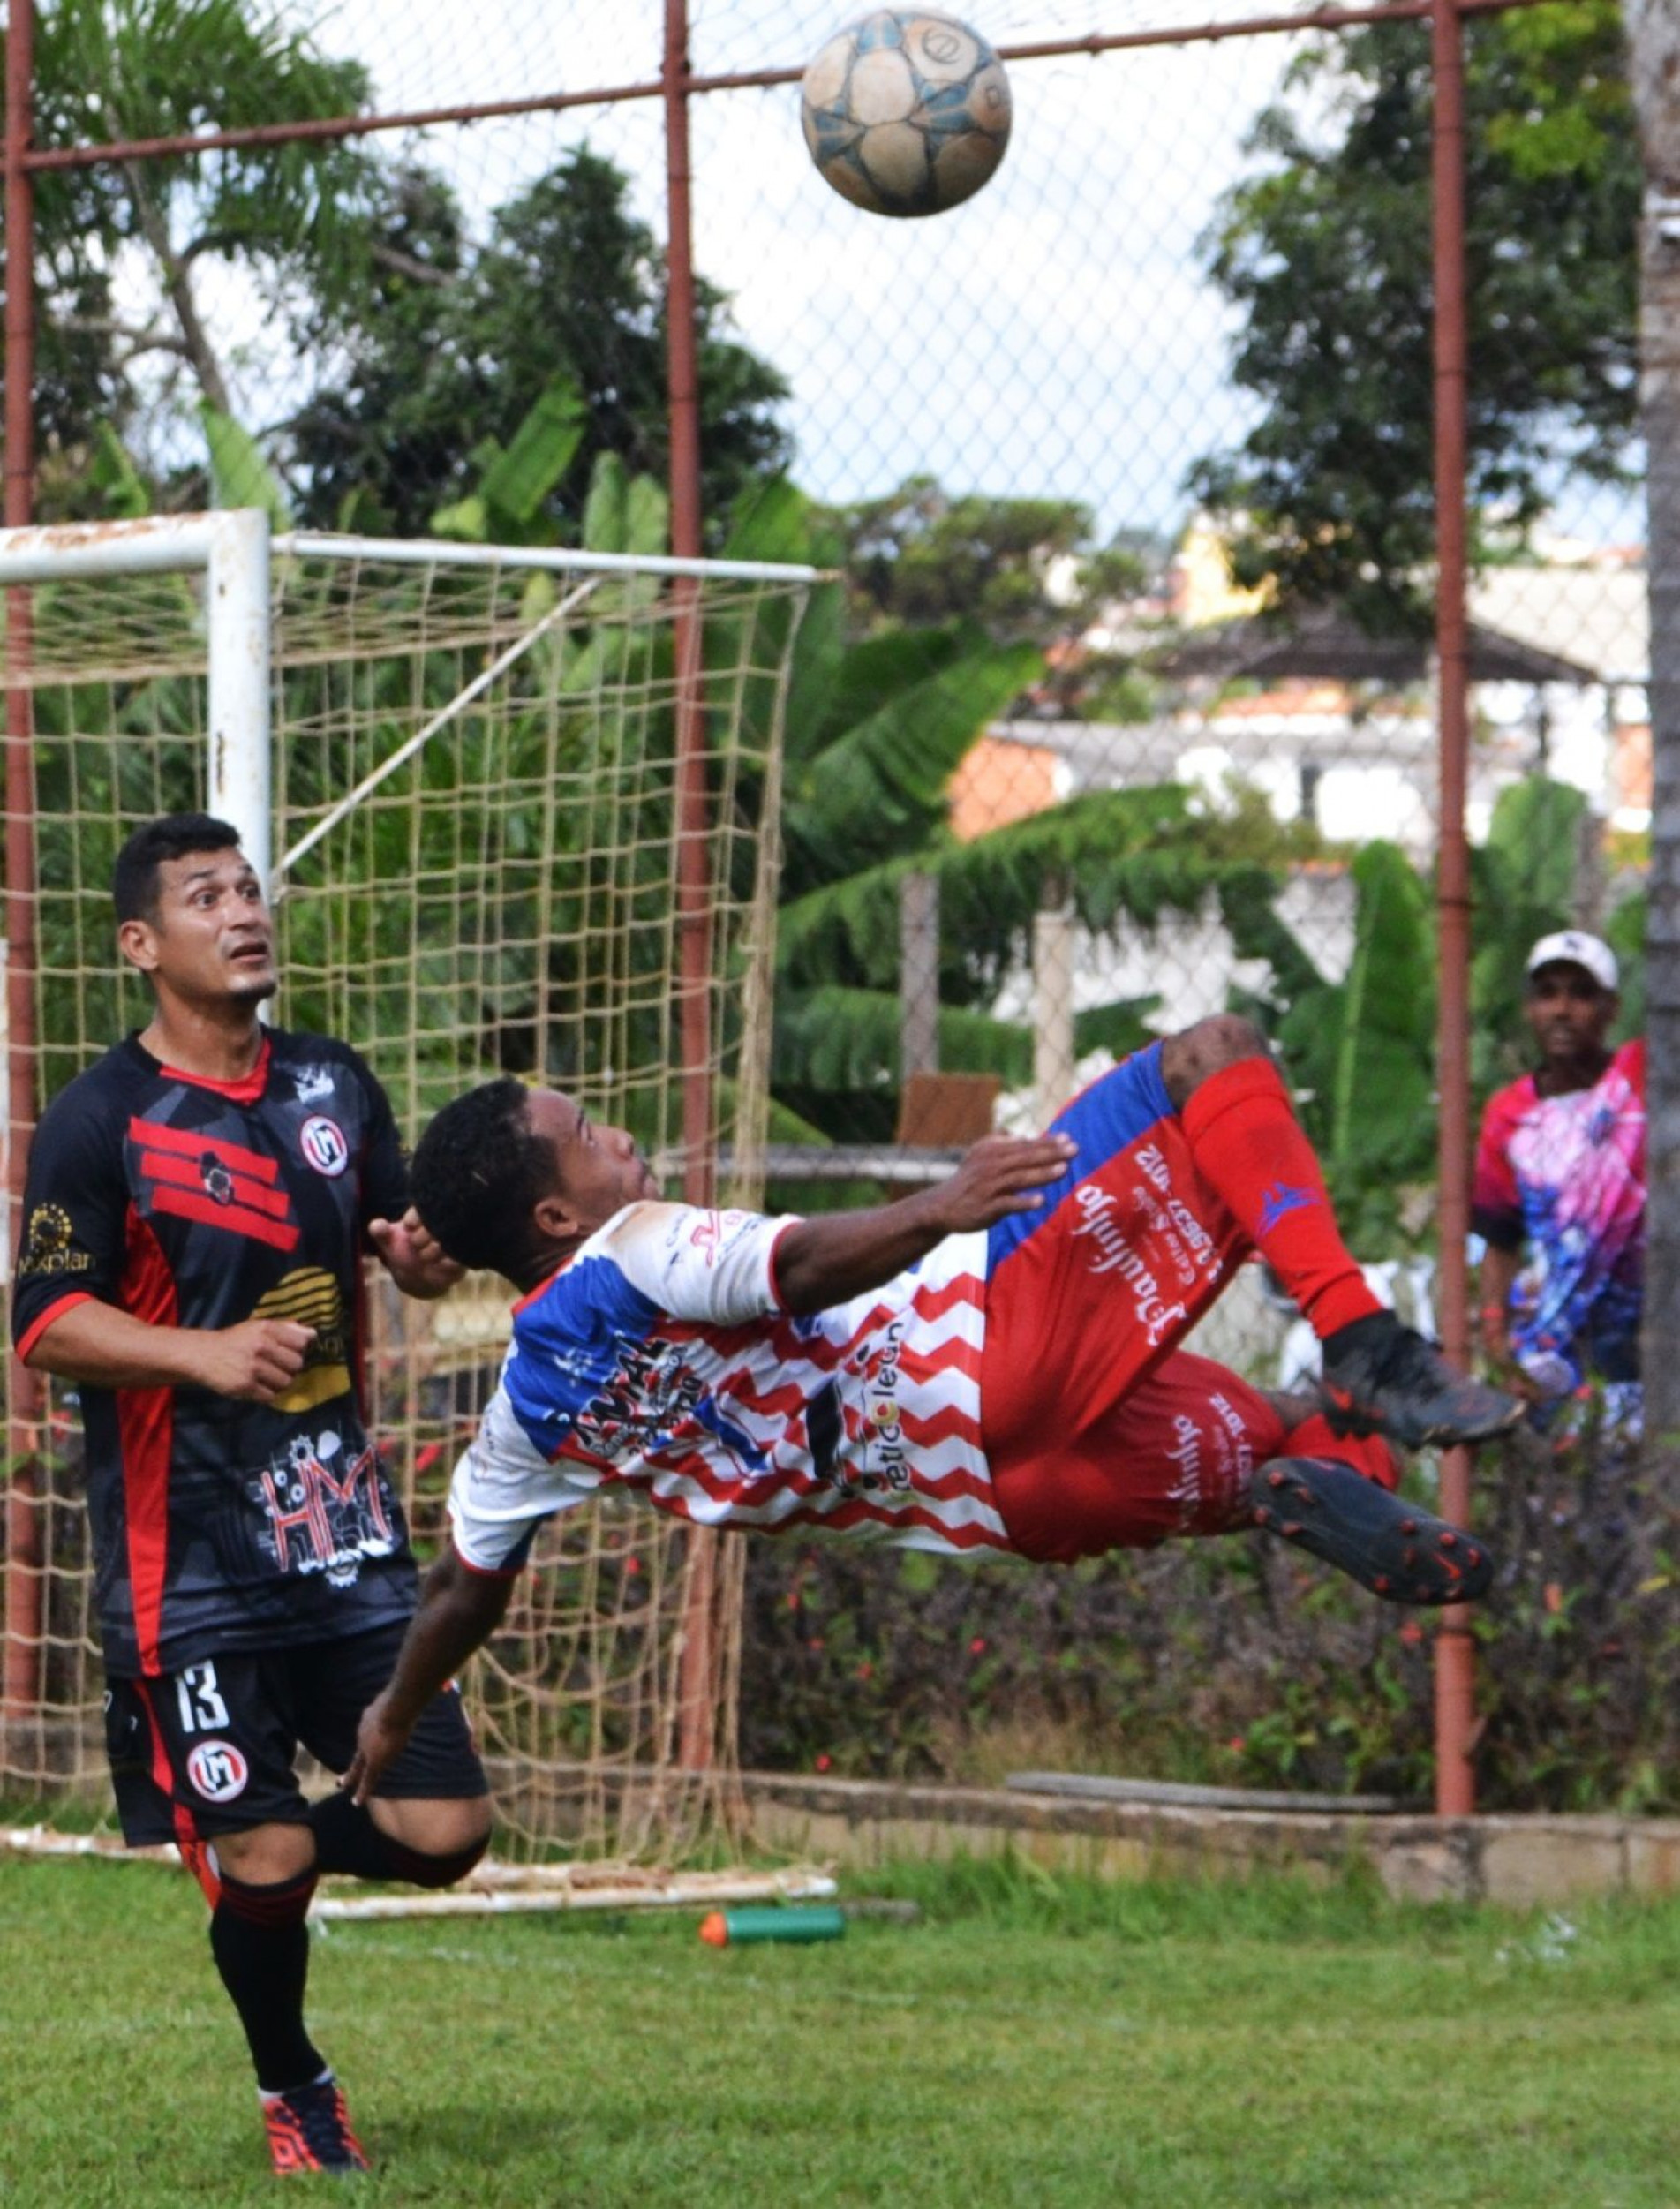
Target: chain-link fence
(1125, 710)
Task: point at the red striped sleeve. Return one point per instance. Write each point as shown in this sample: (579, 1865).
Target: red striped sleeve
(54, 1310)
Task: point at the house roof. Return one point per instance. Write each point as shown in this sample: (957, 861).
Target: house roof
(1599, 617)
(1325, 641)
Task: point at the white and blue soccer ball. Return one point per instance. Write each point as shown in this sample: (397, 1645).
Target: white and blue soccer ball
(906, 112)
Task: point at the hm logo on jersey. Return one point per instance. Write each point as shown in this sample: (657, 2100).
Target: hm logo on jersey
(320, 1521)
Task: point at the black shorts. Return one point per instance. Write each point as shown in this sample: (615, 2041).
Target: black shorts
(209, 1749)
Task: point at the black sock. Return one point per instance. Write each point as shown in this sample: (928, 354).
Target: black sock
(347, 1840)
(260, 1944)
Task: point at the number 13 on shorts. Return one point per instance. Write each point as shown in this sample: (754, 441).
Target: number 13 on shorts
(200, 1698)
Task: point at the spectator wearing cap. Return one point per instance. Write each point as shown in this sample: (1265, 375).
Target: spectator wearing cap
(1558, 1194)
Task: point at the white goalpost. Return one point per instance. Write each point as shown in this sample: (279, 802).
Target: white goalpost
(475, 778)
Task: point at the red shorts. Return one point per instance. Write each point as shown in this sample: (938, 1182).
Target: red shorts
(1100, 1432)
(1173, 1457)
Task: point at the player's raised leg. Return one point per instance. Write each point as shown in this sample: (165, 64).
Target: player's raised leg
(1195, 1450)
(1252, 1155)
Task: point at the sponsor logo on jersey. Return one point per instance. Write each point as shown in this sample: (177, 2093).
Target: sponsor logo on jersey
(1114, 1254)
(309, 1082)
(1153, 1167)
(309, 1295)
(1186, 1453)
(323, 1145)
(322, 1521)
(46, 1244)
(217, 1770)
(708, 1236)
(1238, 1448)
(1156, 1223)
(653, 1391)
(886, 1451)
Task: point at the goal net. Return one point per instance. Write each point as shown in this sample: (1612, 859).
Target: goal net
(520, 816)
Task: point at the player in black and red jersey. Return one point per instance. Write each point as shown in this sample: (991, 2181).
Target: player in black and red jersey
(199, 1205)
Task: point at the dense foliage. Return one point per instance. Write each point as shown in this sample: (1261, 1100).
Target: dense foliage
(1325, 254)
(1239, 1661)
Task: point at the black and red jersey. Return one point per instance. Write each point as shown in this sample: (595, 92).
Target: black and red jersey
(219, 1524)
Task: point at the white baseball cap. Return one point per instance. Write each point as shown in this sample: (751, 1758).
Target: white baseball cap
(1581, 950)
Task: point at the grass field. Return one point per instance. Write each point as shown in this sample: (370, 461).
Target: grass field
(1029, 2042)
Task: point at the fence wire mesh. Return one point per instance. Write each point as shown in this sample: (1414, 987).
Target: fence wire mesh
(1055, 784)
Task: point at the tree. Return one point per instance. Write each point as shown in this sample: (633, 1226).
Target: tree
(1326, 255)
(1653, 32)
(454, 343)
(1021, 568)
(876, 729)
(290, 216)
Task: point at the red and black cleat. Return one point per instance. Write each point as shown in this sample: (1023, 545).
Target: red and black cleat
(1386, 1543)
(309, 2130)
(1382, 1377)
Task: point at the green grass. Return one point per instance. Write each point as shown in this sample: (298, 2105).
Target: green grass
(1030, 2041)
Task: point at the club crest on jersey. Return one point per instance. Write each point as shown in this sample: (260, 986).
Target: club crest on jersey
(217, 1770)
(323, 1145)
(218, 1182)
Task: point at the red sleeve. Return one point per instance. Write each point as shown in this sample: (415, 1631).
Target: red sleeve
(74, 1232)
(38, 1326)
(1495, 1202)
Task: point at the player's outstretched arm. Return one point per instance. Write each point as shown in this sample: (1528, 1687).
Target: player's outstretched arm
(415, 1259)
(97, 1343)
(458, 1612)
(825, 1259)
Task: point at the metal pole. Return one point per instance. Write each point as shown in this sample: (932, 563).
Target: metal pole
(1455, 1660)
(19, 1697)
(324, 129)
(918, 975)
(1052, 1006)
(695, 1664)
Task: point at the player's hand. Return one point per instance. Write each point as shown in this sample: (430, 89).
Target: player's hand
(379, 1741)
(1002, 1174)
(255, 1361)
(412, 1256)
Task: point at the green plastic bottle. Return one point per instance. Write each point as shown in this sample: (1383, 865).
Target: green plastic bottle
(820, 1921)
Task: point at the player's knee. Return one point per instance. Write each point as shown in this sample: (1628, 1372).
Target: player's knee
(266, 1855)
(441, 1843)
(1192, 1056)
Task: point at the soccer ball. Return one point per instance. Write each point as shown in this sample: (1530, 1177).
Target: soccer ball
(905, 112)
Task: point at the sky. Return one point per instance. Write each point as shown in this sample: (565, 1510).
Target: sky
(1054, 336)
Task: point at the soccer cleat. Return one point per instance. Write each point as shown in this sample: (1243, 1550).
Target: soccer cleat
(1381, 1541)
(1382, 1378)
(309, 2130)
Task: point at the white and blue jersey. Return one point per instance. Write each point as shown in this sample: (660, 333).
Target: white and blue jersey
(660, 1358)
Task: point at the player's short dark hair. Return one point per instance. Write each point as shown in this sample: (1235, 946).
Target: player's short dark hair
(134, 878)
(478, 1172)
